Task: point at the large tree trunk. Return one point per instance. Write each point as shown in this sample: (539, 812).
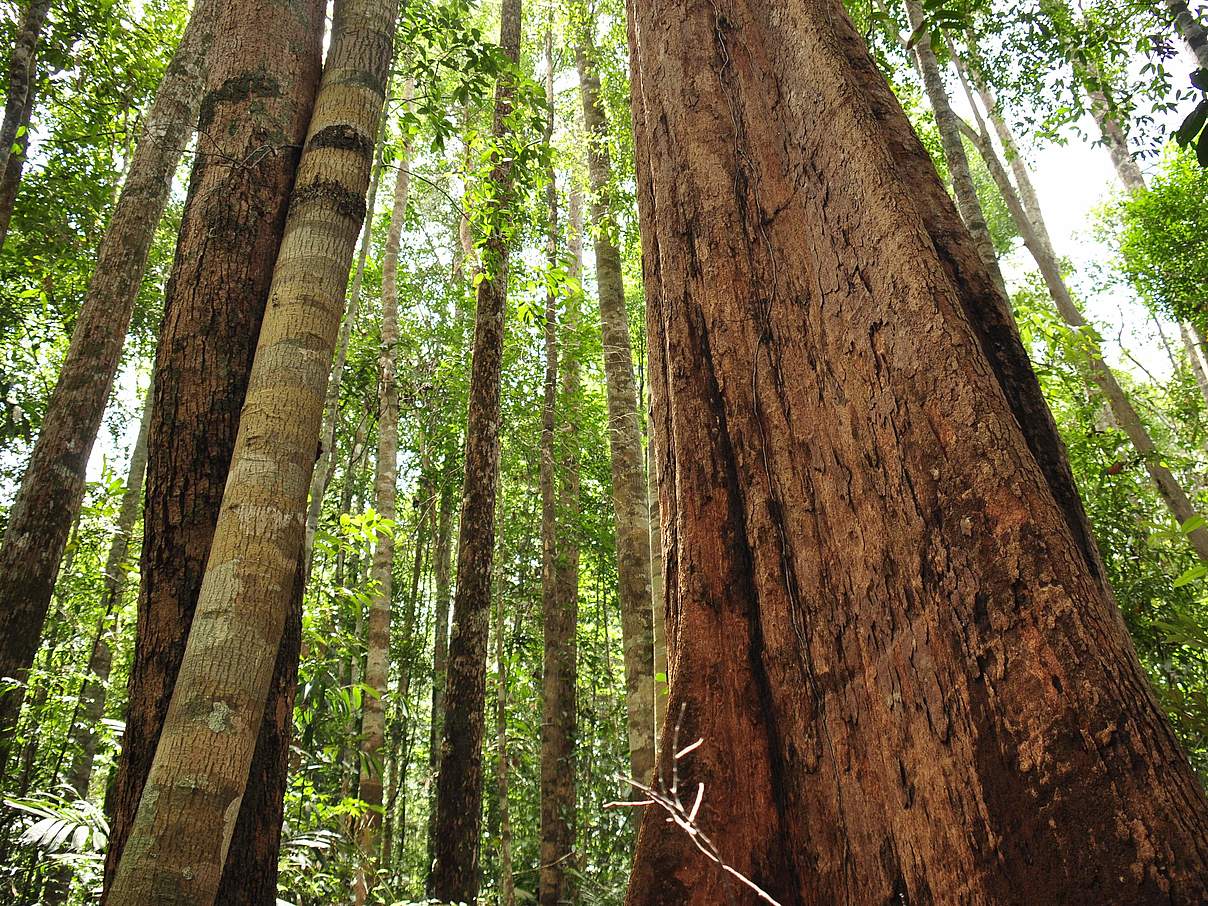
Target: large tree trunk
(624, 436)
(19, 100)
(181, 833)
(53, 485)
(229, 238)
(377, 661)
(455, 871)
(948, 124)
(889, 628)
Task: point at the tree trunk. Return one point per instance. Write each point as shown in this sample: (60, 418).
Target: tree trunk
(331, 403)
(377, 662)
(558, 713)
(1190, 30)
(624, 437)
(53, 485)
(948, 124)
(19, 101)
(455, 872)
(507, 883)
(181, 833)
(657, 601)
(1115, 138)
(229, 238)
(10, 177)
(873, 565)
(90, 706)
(1090, 358)
(440, 650)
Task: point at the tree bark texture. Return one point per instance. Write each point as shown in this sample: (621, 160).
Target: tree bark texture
(440, 648)
(888, 626)
(624, 436)
(325, 464)
(252, 122)
(19, 99)
(507, 880)
(53, 484)
(10, 176)
(456, 874)
(377, 659)
(947, 123)
(181, 833)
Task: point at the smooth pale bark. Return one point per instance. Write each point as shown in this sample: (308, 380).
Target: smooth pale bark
(325, 464)
(1114, 136)
(53, 484)
(872, 559)
(381, 575)
(1036, 239)
(456, 875)
(948, 124)
(256, 109)
(181, 833)
(624, 435)
(1195, 359)
(507, 881)
(1187, 24)
(19, 100)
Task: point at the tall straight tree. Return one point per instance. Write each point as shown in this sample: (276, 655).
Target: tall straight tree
(377, 659)
(624, 433)
(53, 485)
(18, 106)
(890, 629)
(253, 119)
(558, 715)
(179, 841)
(455, 873)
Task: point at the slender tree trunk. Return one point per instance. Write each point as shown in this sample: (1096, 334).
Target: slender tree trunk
(1193, 358)
(219, 698)
(456, 875)
(872, 558)
(19, 100)
(10, 176)
(232, 229)
(657, 601)
(1187, 24)
(331, 403)
(53, 485)
(948, 124)
(1115, 138)
(624, 436)
(558, 711)
(90, 707)
(377, 663)
(1090, 357)
(440, 651)
(507, 882)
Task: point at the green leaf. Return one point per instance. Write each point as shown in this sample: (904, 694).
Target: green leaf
(1192, 126)
(1196, 572)
(1192, 524)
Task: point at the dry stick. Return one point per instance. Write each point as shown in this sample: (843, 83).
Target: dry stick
(668, 799)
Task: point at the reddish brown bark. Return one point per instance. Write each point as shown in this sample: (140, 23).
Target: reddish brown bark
(455, 871)
(887, 621)
(253, 119)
